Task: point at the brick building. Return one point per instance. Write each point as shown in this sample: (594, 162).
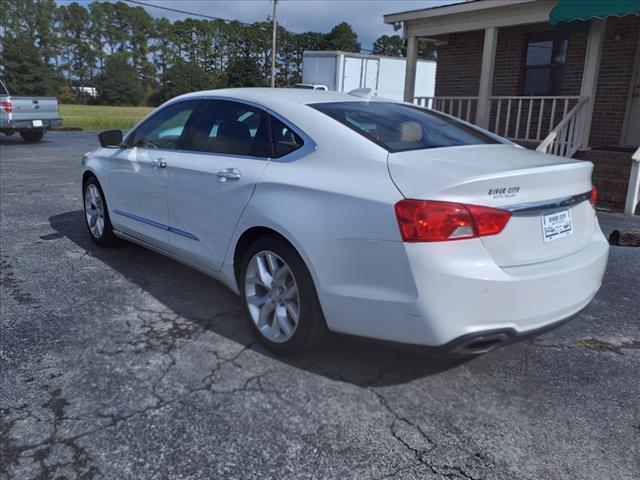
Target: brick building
(559, 76)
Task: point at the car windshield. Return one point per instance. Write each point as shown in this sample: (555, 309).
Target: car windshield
(398, 127)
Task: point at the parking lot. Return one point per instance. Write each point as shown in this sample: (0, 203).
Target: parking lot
(122, 364)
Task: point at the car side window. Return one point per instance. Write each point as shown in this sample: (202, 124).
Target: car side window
(284, 139)
(164, 130)
(229, 127)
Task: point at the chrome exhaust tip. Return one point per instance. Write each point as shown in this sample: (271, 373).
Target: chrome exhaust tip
(481, 344)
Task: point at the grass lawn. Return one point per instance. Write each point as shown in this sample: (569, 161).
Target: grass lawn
(98, 117)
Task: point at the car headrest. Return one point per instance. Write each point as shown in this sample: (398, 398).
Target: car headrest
(234, 130)
(410, 132)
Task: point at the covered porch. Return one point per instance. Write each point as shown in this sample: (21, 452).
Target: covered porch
(532, 71)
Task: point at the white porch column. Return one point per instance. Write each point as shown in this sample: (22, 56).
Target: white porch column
(590, 76)
(486, 77)
(633, 190)
(410, 73)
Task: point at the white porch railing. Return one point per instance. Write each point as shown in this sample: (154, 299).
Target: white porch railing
(518, 118)
(463, 108)
(527, 119)
(566, 138)
(633, 190)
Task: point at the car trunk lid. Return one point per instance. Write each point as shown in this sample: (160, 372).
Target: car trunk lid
(545, 194)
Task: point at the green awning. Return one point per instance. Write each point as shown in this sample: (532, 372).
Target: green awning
(585, 10)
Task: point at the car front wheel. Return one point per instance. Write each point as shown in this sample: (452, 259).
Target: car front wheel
(280, 297)
(96, 214)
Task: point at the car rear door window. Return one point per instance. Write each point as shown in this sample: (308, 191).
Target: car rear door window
(165, 129)
(283, 138)
(234, 128)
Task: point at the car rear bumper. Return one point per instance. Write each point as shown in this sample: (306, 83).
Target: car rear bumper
(451, 297)
(27, 124)
(480, 342)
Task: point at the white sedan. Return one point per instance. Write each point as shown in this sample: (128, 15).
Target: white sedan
(328, 211)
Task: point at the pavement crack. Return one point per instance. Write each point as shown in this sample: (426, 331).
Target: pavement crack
(604, 346)
(163, 330)
(13, 285)
(593, 344)
(422, 453)
(397, 418)
(222, 361)
(45, 454)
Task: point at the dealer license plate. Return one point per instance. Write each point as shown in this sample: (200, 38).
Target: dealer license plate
(556, 225)
(36, 123)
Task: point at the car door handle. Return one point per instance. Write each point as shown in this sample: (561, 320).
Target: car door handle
(228, 175)
(159, 163)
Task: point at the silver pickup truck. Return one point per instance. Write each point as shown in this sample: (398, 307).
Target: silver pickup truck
(30, 116)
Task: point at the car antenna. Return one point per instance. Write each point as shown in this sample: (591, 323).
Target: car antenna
(361, 92)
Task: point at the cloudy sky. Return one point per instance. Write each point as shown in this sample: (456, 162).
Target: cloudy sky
(300, 15)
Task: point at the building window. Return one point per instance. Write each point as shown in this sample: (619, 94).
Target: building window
(546, 54)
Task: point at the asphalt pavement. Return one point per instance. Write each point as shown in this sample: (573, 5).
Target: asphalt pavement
(122, 364)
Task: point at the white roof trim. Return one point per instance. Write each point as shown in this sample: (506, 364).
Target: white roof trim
(493, 14)
(463, 7)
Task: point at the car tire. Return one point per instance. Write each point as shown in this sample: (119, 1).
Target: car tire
(96, 214)
(32, 136)
(285, 315)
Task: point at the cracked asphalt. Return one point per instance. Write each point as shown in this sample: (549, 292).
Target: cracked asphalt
(122, 364)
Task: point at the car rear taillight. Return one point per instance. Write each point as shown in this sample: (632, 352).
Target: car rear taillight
(594, 196)
(433, 221)
(6, 106)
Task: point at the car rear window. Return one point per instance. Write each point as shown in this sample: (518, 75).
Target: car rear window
(398, 127)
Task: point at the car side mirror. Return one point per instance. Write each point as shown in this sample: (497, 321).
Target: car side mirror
(110, 138)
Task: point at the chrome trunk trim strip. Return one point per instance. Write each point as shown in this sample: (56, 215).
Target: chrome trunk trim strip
(530, 207)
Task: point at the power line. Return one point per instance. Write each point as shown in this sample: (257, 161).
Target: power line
(194, 14)
(228, 21)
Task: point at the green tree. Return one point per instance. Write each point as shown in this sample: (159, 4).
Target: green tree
(24, 71)
(100, 14)
(342, 37)
(162, 47)
(389, 45)
(27, 47)
(119, 84)
(184, 77)
(75, 41)
(244, 72)
(139, 26)
(426, 49)
(307, 41)
(44, 29)
(112, 25)
(120, 30)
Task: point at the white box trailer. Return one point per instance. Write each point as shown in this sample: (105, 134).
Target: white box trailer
(343, 71)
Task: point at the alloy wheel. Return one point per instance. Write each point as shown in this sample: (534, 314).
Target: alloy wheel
(94, 210)
(272, 296)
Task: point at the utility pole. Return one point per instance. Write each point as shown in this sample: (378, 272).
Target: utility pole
(273, 45)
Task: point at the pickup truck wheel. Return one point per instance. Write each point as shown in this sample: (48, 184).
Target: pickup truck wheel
(32, 136)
